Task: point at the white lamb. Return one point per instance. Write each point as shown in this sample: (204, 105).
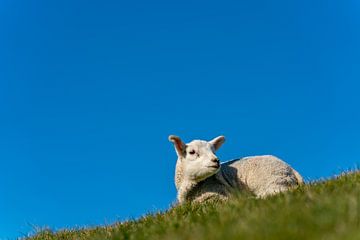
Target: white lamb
(199, 176)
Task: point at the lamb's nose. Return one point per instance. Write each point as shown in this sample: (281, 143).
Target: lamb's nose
(215, 160)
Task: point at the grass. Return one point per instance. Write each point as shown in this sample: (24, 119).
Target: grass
(321, 210)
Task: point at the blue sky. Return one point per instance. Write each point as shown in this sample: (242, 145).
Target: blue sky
(90, 91)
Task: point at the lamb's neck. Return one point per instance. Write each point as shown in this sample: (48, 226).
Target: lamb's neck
(189, 189)
(186, 188)
(222, 177)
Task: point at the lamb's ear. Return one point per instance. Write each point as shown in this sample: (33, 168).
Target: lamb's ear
(178, 144)
(217, 142)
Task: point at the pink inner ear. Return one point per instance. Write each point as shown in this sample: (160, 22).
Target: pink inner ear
(218, 142)
(179, 145)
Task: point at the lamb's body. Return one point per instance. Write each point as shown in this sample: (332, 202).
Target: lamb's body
(261, 175)
(265, 175)
(199, 176)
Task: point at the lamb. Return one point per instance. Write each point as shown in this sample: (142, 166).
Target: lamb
(199, 176)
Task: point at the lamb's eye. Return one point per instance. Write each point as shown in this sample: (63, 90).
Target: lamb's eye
(192, 152)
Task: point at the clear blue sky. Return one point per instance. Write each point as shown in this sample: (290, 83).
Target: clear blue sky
(90, 91)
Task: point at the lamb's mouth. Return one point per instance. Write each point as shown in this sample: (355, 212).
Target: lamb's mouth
(216, 166)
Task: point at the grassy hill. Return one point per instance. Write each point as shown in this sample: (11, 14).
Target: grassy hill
(323, 210)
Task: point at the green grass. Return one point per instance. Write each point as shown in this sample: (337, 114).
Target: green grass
(322, 210)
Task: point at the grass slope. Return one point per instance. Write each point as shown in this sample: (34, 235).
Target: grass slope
(323, 210)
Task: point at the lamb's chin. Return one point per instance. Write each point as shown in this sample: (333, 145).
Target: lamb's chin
(207, 174)
(211, 173)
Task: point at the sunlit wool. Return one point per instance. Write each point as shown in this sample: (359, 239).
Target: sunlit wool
(199, 176)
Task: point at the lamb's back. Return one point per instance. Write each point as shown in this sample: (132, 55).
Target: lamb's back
(262, 175)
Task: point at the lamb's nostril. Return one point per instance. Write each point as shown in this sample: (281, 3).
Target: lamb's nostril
(215, 160)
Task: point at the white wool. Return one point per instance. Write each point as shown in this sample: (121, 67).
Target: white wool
(199, 176)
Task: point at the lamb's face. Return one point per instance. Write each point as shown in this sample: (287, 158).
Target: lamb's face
(200, 161)
(198, 157)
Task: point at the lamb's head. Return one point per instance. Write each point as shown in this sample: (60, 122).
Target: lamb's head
(196, 160)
